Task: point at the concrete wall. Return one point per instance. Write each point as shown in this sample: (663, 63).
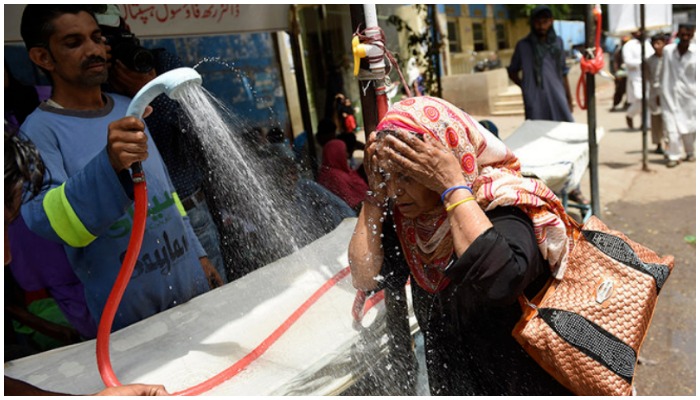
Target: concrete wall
(475, 93)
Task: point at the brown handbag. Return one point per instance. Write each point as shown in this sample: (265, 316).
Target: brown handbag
(587, 328)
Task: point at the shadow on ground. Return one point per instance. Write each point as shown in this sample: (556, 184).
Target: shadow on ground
(667, 359)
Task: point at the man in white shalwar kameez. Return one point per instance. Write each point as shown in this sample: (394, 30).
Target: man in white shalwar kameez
(678, 96)
(632, 56)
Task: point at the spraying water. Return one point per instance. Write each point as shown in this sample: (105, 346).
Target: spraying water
(252, 188)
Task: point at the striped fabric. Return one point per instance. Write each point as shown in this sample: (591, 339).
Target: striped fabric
(64, 220)
(179, 205)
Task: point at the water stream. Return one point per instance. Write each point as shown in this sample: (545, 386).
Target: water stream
(246, 186)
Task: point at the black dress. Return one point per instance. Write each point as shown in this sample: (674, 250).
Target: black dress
(467, 326)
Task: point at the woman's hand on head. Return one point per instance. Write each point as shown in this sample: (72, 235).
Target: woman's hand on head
(425, 159)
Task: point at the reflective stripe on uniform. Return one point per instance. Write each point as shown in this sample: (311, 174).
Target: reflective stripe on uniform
(179, 205)
(63, 219)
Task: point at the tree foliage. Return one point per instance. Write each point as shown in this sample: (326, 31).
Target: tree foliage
(422, 46)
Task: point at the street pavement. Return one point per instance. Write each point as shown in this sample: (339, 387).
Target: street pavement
(655, 207)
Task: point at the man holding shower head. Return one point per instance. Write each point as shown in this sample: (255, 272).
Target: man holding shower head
(172, 131)
(87, 203)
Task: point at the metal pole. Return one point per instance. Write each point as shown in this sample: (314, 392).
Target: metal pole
(592, 138)
(368, 98)
(645, 166)
(294, 38)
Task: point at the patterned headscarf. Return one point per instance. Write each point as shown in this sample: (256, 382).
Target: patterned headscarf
(492, 171)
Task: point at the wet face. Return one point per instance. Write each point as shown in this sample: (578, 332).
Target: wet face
(542, 25)
(76, 53)
(411, 198)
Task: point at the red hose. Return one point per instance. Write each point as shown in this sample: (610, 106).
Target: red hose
(104, 329)
(590, 66)
(241, 364)
(115, 296)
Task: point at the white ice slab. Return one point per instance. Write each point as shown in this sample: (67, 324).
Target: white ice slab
(557, 152)
(192, 342)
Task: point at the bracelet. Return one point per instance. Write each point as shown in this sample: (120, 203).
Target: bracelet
(453, 206)
(446, 192)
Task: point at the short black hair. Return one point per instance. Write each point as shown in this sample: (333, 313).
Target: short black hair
(37, 20)
(275, 135)
(24, 169)
(687, 25)
(541, 11)
(659, 36)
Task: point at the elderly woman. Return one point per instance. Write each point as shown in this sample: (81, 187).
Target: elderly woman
(449, 205)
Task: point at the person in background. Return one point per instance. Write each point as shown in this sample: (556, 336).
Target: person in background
(678, 104)
(172, 132)
(541, 59)
(617, 69)
(318, 209)
(277, 141)
(87, 202)
(415, 79)
(24, 176)
(347, 116)
(544, 83)
(632, 55)
(325, 132)
(337, 176)
(338, 105)
(473, 235)
(653, 75)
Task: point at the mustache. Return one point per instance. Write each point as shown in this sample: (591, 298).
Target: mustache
(93, 60)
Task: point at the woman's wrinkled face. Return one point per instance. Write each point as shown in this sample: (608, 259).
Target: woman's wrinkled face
(411, 198)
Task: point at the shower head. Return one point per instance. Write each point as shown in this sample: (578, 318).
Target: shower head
(170, 83)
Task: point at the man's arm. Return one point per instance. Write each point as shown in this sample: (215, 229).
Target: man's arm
(15, 387)
(515, 65)
(75, 207)
(514, 77)
(567, 89)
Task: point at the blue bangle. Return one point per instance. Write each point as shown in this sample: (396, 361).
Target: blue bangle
(446, 192)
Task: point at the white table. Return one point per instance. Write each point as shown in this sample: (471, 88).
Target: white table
(555, 152)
